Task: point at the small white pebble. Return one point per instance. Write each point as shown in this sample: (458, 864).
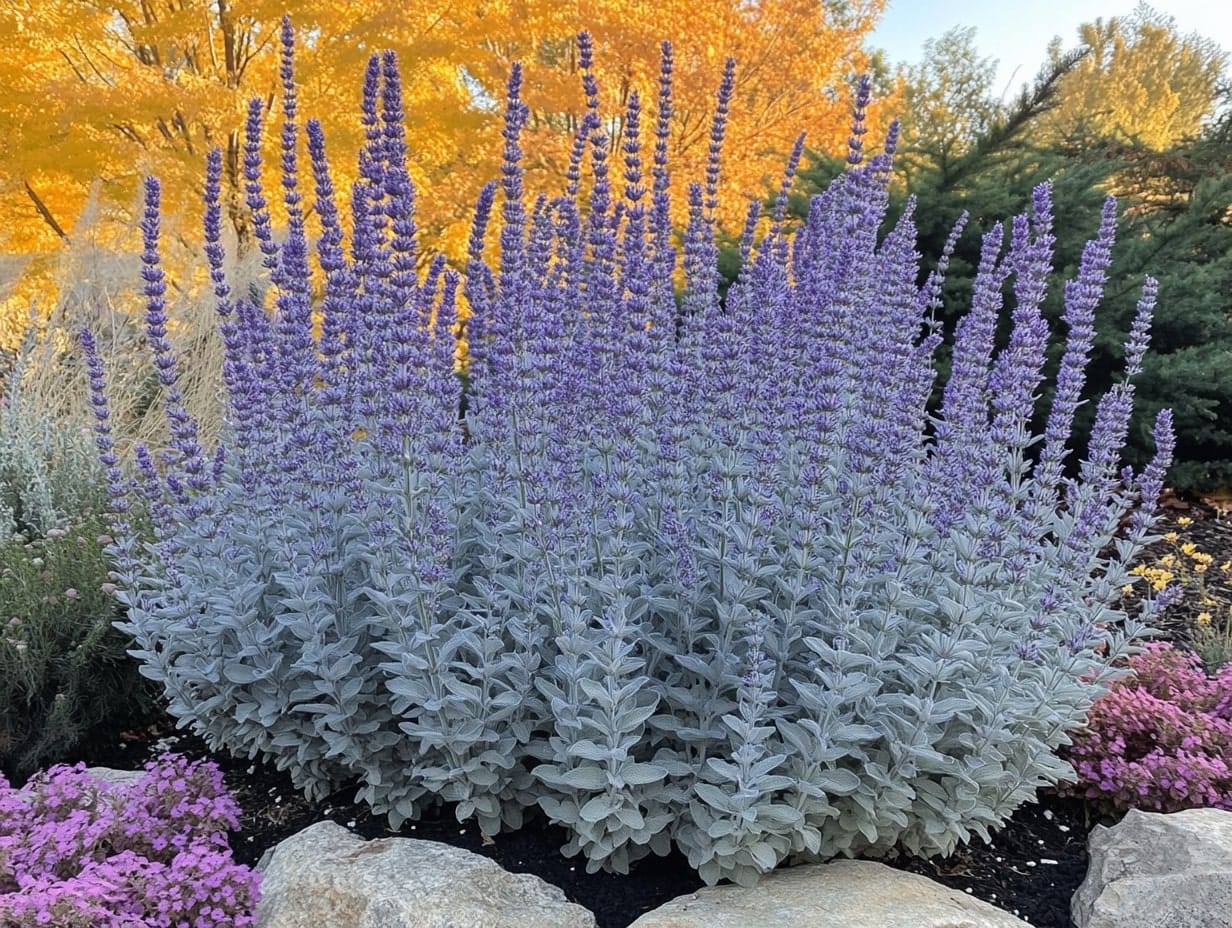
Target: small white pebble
(1041, 842)
(1048, 814)
(998, 859)
(1062, 828)
(1046, 860)
(351, 823)
(1030, 863)
(252, 769)
(968, 891)
(277, 799)
(252, 838)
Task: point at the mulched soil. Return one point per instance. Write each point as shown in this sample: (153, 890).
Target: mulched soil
(1030, 869)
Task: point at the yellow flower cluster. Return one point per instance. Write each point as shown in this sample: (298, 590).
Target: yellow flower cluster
(1187, 565)
(1157, 577)
(1201, 560)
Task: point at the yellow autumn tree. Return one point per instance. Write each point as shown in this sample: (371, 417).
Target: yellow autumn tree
(99, 93)
(1143, 82)
(105, 92)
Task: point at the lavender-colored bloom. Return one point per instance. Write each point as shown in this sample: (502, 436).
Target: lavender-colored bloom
(513, 231)
(185, 451)
(399, 192)
(294, 302)
(660, 219)
(1081, 297)
(1139, 333)
(718, 129)
(254, 192)
(1151, 482)
(855, 144)
(1017, 370)
(118, 486)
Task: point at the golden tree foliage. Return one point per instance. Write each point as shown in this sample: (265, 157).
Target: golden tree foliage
(795, 63)
(1143, 82)
(105, 91)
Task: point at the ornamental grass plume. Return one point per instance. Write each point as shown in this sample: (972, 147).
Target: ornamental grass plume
(683, 571)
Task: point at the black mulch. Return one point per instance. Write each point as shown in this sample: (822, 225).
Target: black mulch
(1030, 869)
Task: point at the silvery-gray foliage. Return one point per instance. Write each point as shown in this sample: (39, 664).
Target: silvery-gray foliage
(49, 471)
(706, 576)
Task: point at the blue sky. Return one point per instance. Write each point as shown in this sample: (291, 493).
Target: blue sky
(1018, 33)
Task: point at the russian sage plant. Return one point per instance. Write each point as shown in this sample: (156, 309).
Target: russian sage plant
(682, 572)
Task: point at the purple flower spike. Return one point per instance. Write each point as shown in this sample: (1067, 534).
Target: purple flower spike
(855, 144)
(185, 450)
(718, 130)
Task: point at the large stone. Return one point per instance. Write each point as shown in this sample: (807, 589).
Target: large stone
(326, 877)
(841, 894)
(1152, 870)
(107, 776)
(117, 778)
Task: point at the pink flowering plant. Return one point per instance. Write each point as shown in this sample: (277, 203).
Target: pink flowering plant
(75, 851)
(1161, 739)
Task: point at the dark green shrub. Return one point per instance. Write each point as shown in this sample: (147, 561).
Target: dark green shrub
(64, 675)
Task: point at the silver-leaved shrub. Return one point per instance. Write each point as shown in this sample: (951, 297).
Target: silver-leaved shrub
(49, 471)
(682, 572)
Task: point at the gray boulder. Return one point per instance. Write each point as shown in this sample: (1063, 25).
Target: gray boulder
(841, 894)
(113, 777)
(1153, 870)
(107, 777)
(326, 877)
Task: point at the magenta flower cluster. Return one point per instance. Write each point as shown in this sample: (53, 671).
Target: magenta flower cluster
(1161, 739)
(77, 851)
